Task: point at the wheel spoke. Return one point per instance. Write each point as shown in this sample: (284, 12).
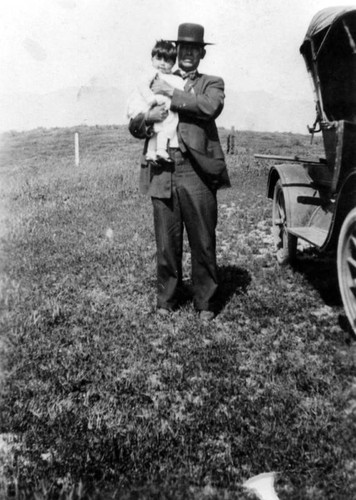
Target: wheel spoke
(353, 245)
(282, 212)
(352, 265)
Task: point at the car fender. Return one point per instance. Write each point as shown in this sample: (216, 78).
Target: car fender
(296, 184)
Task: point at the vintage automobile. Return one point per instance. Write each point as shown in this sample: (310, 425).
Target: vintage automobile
(316, 200)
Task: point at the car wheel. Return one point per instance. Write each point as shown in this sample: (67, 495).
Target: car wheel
(285, 244)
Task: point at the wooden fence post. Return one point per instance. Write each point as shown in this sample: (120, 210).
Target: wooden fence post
(230, 149)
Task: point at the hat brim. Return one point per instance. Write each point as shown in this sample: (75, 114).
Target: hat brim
(190, 42)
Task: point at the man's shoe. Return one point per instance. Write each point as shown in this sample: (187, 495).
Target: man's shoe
(206, 316)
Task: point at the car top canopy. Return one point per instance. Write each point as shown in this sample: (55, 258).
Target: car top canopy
(329, 50)
(324, 19)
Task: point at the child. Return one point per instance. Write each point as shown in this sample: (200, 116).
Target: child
(164, 56)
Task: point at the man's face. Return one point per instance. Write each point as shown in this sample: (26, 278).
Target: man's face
(189, 56)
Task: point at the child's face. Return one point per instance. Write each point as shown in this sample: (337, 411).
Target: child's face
(162, 65)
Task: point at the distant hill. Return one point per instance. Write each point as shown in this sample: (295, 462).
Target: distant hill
(256, 111)
(63, 108)
(264, 112)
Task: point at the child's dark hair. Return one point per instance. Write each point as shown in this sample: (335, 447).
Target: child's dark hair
(165, 50)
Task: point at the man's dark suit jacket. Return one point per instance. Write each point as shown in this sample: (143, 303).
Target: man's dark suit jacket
(198, 106)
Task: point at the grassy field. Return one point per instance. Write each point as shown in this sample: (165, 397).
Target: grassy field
(100, 398)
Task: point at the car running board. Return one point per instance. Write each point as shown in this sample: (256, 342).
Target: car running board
(313, 235)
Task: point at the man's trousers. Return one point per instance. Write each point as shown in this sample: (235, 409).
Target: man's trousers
(193, 205)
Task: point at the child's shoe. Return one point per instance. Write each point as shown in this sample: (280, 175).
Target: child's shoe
(163, 157)
(151, 157)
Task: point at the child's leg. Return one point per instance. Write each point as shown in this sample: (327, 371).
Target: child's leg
(170, 124)
(151, 148)
(165, 132)
(162, 142)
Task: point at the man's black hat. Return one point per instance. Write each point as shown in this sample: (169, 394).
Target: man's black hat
(191, 33)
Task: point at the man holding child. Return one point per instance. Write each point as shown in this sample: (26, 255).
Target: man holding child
(183, 189)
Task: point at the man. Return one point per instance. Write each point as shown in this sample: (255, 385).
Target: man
(183, 191)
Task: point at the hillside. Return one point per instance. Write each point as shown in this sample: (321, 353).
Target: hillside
(261, 111)
(92, 105)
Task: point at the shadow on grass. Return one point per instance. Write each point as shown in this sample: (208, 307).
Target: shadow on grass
(321, 272)
(233, 280)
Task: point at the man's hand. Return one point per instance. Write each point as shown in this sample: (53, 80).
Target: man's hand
(156, 114)
(159, 86)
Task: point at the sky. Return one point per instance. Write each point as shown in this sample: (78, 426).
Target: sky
(47, 45)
